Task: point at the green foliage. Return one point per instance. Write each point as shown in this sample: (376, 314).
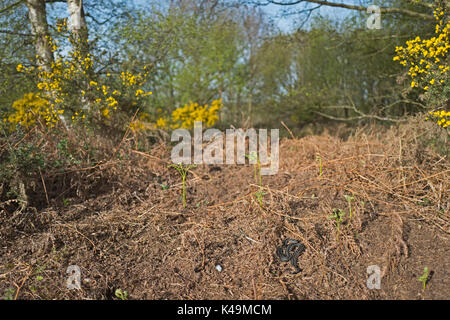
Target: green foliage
(192, 57)
(259, 197)
(183, 171)
(24, 159)
(64, 156)
(319, 158)
(253, 156)
(349, 202)
(123, 295)
(27, 158)
(424, 277)
(163, 186)
(337, 215)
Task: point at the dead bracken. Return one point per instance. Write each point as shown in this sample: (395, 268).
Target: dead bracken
(135, 236)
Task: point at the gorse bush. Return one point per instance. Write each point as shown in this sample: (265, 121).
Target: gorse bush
(71, 87)
(186, 116)
(28, 110)
(427, 63)
(183, 117)
(442, 118)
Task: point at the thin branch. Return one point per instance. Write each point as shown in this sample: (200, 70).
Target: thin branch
(364, 116)
(16, 33)
(354, 7)
(15, 4)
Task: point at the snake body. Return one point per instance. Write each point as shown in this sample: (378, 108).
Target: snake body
(285, 252)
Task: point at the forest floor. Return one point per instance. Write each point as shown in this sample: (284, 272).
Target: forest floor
(132, 232)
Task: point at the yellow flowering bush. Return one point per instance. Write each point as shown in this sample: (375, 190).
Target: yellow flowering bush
(184, 117)
(426, 58)
(427, 62)
(442, 118)
(70, 84)
(30, 109)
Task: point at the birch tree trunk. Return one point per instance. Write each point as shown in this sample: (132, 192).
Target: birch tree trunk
(39, 28)
(37, 14)
(79, 30)
(77, 24)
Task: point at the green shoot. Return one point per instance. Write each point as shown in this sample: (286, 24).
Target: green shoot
(183, 171)
(123, 295)
(163, 186)
(424, 277)
(349, 201)
(337, 215)
(320, 165)
(66, 202)
(254, 156)
(259, 195)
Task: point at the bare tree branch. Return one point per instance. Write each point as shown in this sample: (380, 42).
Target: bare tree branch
(351, 7)
(16, 33)
(15, 4)
(360, 117)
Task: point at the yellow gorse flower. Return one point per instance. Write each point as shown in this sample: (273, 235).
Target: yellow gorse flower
(32, 109)
(186, 116)
(56, 82)
(426, 57)
(427, 63)
(442, 118)
(183, 117)
(161, 123)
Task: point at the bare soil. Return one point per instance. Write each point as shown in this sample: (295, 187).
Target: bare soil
(130, 231)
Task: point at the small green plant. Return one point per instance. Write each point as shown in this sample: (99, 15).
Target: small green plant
(123, 295)
(337, 216)
(183, 171)
(252, 157)
(40, 269)
(163, 186)
(424, 277)
(349, 202)
(9, 294)
(320, 164)
(259, 196)
(66, 202)
(424, 202)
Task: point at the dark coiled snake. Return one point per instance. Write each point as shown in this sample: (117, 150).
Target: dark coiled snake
(290, 251)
